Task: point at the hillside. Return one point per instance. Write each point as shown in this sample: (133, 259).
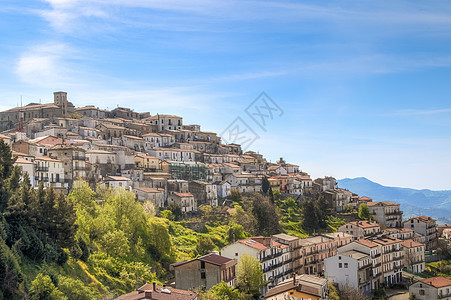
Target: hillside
(436, 204)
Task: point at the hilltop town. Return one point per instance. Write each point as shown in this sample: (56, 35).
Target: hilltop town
(363, 245)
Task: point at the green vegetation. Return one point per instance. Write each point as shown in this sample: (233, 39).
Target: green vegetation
(439, 268)
(364, 212)
(99, 244)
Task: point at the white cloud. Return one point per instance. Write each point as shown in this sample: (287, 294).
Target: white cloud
(43, 65)
(422, 112)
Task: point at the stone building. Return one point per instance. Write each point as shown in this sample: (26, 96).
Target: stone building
(425, 226)
(73, 159)
(386, 213)
(205, 272)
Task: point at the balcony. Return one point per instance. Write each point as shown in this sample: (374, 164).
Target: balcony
(43, 179)
(394, 213)
(79, 157)
(366, 266)
(42, 169)
(79, 168)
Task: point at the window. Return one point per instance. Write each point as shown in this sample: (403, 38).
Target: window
(340, 265)
(421, 292)
(202, 265)
(346, 265)
(202, 275)
(236, 254)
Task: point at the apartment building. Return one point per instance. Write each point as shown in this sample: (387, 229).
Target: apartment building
(386, 213)
(425, 226)
(50, 172)
(360, 229)
(352, 268)
(413, 256)
(274, 257)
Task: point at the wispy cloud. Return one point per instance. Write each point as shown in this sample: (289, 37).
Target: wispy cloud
(422, 112)
(50, 65)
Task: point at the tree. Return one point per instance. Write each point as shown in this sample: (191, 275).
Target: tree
(65, 218)
(249, 275)
(235, 195)
(266, 215)
(74, 289)
(204, 245)
(443, 249)
(311, 219)
(222, 291)
(364, 212)
(265, 185)
(348, 293)
(115, 243)
(42, 288)
(247, 220)
(6, 167)
(160, 238)
(333, 293)
(236, 232)
(10, 272)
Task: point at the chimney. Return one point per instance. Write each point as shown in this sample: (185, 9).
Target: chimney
(148, 294)
(154, 286)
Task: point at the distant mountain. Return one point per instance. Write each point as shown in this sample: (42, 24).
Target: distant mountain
(436, 204)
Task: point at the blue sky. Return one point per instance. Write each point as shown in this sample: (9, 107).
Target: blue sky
(364, 85)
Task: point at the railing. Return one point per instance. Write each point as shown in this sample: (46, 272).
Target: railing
(376, 255)
(42, 169)
(394, 213)
(366, 266)
(44, 179)
(79, 168)
(79, 157)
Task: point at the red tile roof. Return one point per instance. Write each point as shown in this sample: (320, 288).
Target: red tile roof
(437, 282)
(181, 195)
(364, 224)
(382, 203)
(215, 259)
(424, 219)
(367, 243)
(161, 293)
(410, 244)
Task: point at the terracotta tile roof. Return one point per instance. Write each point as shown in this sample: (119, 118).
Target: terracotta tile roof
(387, 240)
(367, 243)
(216, 259)
(364, 224)
(182, 195)
(159, 294)
(411, 244)
(150, 190)
(117, 178)
(254, 244)
(382, 203)
(15, 153)
(20, 160)
(46, 158)
(424, 219)
(365, 198)
(437, 282)
(132, 137)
